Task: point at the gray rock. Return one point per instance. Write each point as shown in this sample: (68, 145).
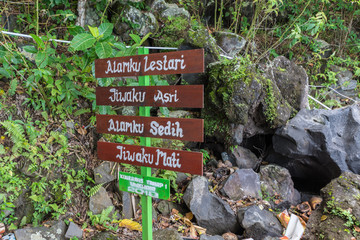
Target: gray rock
(173, 11)
(231, 43)
(237, 132)
(158, 6)
(105, 236)
(129, 111)
(259, 223)
(276, 183)
(165, 207)
(210, 211)
(324, 48)
(24, 207)
(244, 158)
(103, 174)
(291, 80)
(340, 203)
(127, 207)
(142, 22)
(179, 114)
(168, 234)
(9, 22)
(181, 178)
(73, 231)
(345, 80)
(317, 145)
(92, 15)
(225, 156)
(242, 183)
(100, 201)
(57, 231)
(207, 237)
(253, 102)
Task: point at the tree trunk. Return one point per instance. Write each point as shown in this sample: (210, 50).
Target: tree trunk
(81, 13)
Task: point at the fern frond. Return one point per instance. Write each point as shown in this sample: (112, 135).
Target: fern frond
(13, 85)
(94, 190)
(16, 133)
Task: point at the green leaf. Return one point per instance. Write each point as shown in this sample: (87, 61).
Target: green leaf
(104, 109)
(135, 37)
(94, 31)
(5, 73)
(120, 46)
(2, 151)
(82, 41)
(30, 49)
(75, 30)
(145, 38)
(41, 59)
(82, 111)
(106, 29)
(103, 50)
(13, 85)
(38, 40)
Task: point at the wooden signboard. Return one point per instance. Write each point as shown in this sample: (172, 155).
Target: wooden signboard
(174, 160)
(186, 96)
(149, 186)
(189, 61)
(157, 127)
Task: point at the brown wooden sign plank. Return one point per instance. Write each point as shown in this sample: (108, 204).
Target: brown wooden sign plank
(186, 96)
(189, 61)
(174, 160)
(157, 127)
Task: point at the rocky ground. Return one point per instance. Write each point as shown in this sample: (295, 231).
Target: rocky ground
(268, 157)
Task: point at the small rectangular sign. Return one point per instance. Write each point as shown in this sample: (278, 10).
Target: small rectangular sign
(157, 127)
(189, 61)
(149, 186)
(186, 96)
(174, 160)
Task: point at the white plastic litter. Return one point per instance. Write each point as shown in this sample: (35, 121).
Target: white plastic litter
(295, 229)
(10, 236)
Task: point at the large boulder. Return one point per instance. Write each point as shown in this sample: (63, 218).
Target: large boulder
(259, 223)
(210, 211)
(127, 17)
(338, 216)
(230, 43)
(56, 231)
(317, 145)
(169, 233)
(248, 100)
(242, 183)
(100, 201)
(278, 187)
(103, 174)
(244, 158)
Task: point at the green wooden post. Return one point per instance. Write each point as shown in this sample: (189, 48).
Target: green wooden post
(146, 202)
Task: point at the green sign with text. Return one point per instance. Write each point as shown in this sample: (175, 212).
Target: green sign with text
(149, 186)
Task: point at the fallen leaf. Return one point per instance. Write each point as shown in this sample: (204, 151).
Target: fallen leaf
(127, 223)
(193, 232)
(189, 215)
(323, 217)
(357, 229)
(174, 211)
(200, 230)
(82, 131)
(187, 221)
